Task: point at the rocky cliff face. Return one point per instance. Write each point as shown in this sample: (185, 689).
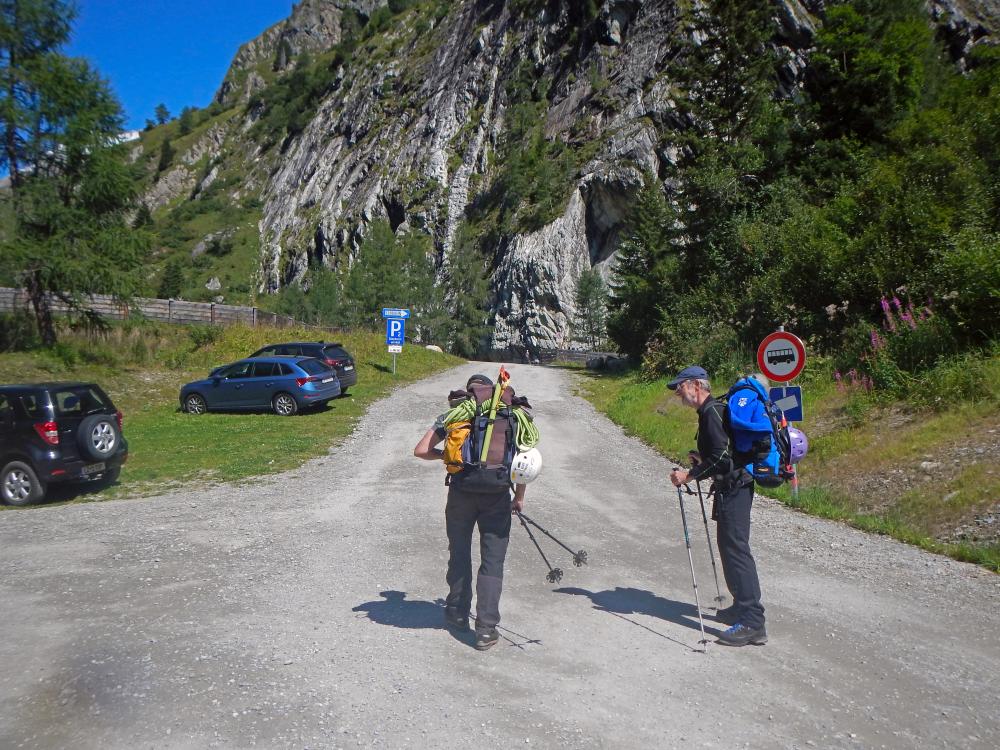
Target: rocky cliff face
(408, 132)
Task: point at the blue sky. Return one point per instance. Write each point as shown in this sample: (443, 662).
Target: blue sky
(170, 51)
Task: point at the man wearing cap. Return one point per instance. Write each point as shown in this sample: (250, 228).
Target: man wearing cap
(733, 486)
(464, 511)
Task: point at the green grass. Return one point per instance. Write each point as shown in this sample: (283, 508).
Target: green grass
(852, 439)
(143, 366)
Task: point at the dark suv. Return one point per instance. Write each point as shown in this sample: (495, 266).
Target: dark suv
(56, 432)
(334, 355)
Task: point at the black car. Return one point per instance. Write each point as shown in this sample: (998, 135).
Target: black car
(334, 355)
(57, 432)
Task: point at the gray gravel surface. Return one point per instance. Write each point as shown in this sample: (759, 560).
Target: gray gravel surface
(303, 610)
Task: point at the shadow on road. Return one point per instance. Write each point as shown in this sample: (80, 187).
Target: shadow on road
(395, 610)
(630, 601)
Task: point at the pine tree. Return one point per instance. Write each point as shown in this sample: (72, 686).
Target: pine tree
(172, 283)
(591, 302)
(466, 287)
(70, 184)
(186, 121)
(644, 270)
(162, 114)
(143, 217)
(166, 156)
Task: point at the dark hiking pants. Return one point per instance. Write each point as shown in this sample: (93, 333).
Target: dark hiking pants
(732, 514)
(462, 513)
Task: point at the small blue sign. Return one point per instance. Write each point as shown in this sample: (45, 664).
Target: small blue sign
(395, 312)
(789, 400)
(395, 331)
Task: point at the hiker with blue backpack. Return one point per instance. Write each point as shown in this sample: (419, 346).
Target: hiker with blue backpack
(489, 440)
(721, 460)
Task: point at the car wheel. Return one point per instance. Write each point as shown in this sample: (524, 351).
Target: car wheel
(99, 437)
(284, 405)
(343, 392)
(19, 485)
(195, 404)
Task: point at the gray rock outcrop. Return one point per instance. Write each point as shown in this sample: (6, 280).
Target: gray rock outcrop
(411, 135)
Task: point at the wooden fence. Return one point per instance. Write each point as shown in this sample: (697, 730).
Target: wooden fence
(164, 310)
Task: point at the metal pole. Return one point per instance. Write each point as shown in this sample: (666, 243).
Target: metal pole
(694, 581)
(711, 552)
(393, 363)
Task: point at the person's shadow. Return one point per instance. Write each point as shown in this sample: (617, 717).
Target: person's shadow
(621, 601)
(395, 610)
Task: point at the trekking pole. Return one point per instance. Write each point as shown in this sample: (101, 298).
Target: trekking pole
(579, 557)
(694, 581)
(704, 517)
(555, 574)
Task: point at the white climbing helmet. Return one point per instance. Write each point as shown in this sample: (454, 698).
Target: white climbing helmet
(526, 466)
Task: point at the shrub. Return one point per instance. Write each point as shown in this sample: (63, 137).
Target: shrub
(202, 336)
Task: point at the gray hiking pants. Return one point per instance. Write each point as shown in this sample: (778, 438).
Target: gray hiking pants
(491, 512)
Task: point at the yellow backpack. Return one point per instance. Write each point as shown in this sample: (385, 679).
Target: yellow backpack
(457, 434)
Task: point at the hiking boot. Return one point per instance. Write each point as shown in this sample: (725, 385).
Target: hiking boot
(486, 638)
(456, 619)
(740, 635)
(729, 615)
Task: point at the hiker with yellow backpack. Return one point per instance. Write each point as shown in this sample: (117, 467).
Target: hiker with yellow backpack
(489, 449)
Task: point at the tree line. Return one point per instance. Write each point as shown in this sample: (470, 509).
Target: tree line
(879, 185)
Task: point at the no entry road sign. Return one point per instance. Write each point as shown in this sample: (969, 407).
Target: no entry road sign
(781, 356)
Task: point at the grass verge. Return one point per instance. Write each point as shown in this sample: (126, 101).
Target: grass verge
(865, 460)
(142, 367)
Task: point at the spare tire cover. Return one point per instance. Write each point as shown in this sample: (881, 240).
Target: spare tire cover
(98, 436)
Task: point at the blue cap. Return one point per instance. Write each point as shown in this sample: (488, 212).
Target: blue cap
(694, 372)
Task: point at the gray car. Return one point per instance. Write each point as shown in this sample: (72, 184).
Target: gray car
(285, 385)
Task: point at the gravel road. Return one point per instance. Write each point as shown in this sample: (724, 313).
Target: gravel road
(303, 610)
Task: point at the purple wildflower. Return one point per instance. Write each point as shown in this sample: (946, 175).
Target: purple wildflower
(837, 376)
(867, 383)
(853, 375)
(896, 302)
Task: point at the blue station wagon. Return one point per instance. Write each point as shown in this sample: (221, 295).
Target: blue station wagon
(285, 385)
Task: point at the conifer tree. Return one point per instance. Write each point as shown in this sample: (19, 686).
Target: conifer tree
(642, 277)
(172, 283)
(591, 301)
(162, 114)
(70, 185)
(166, 156)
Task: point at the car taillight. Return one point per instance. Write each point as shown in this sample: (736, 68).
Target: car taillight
(48, 431)
(302, 381)
(118, 416)
(334, 362)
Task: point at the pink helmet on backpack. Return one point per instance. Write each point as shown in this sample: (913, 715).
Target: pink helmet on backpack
(799, 444)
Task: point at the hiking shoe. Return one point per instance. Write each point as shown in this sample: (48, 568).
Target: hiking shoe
(456, 619)
(729, 615)
(486, 638)
(740, 635)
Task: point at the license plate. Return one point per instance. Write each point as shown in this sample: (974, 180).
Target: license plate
(92, 468)
(327, 380)
(348, 367)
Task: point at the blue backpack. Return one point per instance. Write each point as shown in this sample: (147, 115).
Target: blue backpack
(759, 433)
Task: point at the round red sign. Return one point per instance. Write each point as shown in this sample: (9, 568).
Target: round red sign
(781, 356)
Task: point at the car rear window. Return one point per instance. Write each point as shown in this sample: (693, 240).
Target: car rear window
(336, 352)
(79, 401)
(314, 366)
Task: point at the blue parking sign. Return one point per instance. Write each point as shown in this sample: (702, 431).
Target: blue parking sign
(395, 331)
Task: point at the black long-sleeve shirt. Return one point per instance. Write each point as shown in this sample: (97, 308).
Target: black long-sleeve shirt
(713, 443)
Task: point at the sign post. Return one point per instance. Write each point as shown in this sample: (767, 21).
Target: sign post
(395, 330)
(781, 357)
